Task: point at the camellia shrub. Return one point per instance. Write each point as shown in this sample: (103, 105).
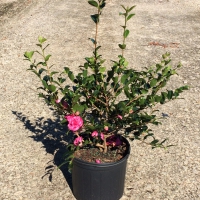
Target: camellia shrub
(101, 104)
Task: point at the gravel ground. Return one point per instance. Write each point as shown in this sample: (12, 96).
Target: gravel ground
(32, 143)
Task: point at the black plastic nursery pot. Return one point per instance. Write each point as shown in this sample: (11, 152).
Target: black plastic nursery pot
(105, 181)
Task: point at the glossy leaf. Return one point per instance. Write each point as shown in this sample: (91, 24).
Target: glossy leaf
(41, 39)
(102, 69)
(52, 88)
(29, 55)
(47, 57)
(52, 73)
(71, 76)
(130, 16)
(41, 70)
(78, 107)
(93, 3)
(122, 46)
(131, 8)
(153, 82)
(102, 5)
(45, 84)
(95, 18)
(126, 33)
(123, 7)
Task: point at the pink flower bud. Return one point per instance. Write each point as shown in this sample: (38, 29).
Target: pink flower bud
(119, 116)
(98, 161)
(106, 128)
(57, 101)
(102, 136)
(94, 134)
(131, 111)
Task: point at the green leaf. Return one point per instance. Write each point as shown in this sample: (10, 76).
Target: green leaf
(164, 95)
(144, 91)
(52, 88)
(131, 8)
(41, 39)
(142, 101)
(163, 83)
(52, 73)
(173, 72)
(124, 78)
(45, 84)
(102, 69)
(130, 16)
(166, 70)
(167, 54)
(167, 61)
(78, 107)
(122, 46)
(158, 98)
(47, 57)
(170, 94)
(179, 65)
(115, 79)
(66, 70)
(42, 70)
(110, 75)
(123, 7)
(95, 18)
(102, 5)
(35, 72)
(39, 45)
(71, 76)
(153, 82)
(126, 33)
(41, 95)
(121, 105)
(154, 142)
(28, 54)
(46, 78)
(127, 93)
(61, 80)
(93, 3)
(158, 67)
(93, 40)
(85, 72)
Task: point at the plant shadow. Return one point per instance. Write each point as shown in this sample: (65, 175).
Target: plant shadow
(54, 139)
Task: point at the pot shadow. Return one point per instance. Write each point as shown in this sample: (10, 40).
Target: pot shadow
(54, 139)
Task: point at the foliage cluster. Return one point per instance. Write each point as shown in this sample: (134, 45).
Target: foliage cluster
(101, 103)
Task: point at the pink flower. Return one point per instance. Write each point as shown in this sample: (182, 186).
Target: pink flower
(98, 161)
(57, 101)
(106, 128)
(119, 116)
(74, 122)
(78, 141)
(94, 134)
(102, 136)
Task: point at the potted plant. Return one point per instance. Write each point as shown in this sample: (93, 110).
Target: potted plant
(102, 107)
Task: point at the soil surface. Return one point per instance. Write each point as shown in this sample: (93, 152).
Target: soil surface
(32, 142)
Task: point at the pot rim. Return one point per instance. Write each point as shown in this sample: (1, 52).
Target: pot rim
(78, 160)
